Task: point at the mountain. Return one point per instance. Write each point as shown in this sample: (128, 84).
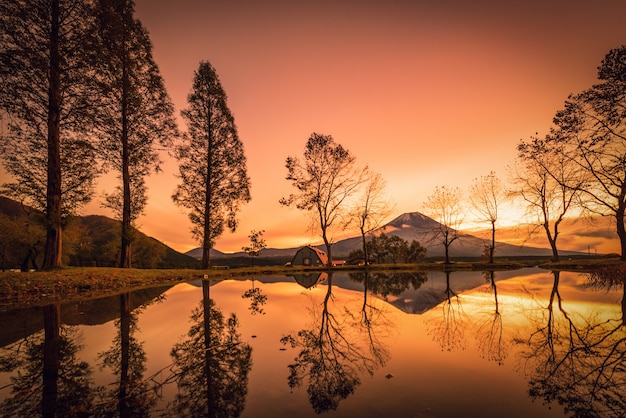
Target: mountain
(414, 226)
(87, 241)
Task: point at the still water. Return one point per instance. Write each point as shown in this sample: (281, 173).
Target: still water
(526, 343)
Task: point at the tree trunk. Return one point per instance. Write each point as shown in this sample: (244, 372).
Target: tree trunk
(493, 241)
(329, 262)
(366, 259)
(125, 256)
(621, 230)
(53, 246)
(208, 195)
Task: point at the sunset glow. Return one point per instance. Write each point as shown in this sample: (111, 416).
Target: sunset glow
(425, 93)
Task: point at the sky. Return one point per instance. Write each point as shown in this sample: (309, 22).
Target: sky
(427, 93)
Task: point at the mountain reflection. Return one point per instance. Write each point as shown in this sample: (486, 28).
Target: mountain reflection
(336, 349)
(577, 358)
(211, 364)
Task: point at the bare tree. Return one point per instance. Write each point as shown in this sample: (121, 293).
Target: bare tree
(486, 197)
(325, 179)
(444, 205)
(371, 208)
(257, 244)
(549, 184)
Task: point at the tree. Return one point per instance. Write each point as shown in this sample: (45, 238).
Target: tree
(486, 196)
(257, 244)
(371, 208)
(325, 179)
(545, 182)
(47, 67)
(589, 131)
(444, 205)
(212, 165)
(137, 114)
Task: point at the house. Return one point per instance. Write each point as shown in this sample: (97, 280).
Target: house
(309, 256)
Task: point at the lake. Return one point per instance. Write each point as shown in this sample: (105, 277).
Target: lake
(521, 343)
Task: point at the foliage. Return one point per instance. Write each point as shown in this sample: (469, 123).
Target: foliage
(324, 180)
(47, 67)
(136, 114)
(589, 132)
(257, 244)
(212, 165)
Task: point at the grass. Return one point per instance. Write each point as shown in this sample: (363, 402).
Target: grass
(79, 283)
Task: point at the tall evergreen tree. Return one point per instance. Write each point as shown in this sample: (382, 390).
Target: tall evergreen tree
(46, 71)
(137, 114)
(212, 165)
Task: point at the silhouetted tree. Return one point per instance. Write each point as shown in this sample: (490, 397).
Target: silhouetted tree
(486, 197)
(257, 244)
(325, 179)
(137, 114)
(370, 209)
(212, 164)
(543, 180)
(47, 63)
(444, 205)
(589, 132)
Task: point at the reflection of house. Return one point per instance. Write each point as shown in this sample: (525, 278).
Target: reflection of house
(308, 280)
(309, 256)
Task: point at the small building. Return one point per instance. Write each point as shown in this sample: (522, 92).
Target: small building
(309, 256)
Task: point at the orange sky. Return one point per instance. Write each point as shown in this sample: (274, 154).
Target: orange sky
(427, 93)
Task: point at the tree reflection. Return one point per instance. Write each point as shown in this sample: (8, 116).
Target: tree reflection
(257, 299)
(211, 365)
(48, 379)
(449, 333)
(489, 333)
(392, 283)
(578, 360)
(333, 353)
(127, 360)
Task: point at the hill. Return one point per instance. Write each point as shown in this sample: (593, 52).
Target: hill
(87, 241)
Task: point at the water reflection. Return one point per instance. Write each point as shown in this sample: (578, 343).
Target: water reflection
(325, 344)
(489, 330)
(126, 358)
(449, 329)
(211, 364)
(577, 357)
(47, 377)
(333, 353)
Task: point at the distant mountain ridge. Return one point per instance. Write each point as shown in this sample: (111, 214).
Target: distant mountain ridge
(410, 226)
